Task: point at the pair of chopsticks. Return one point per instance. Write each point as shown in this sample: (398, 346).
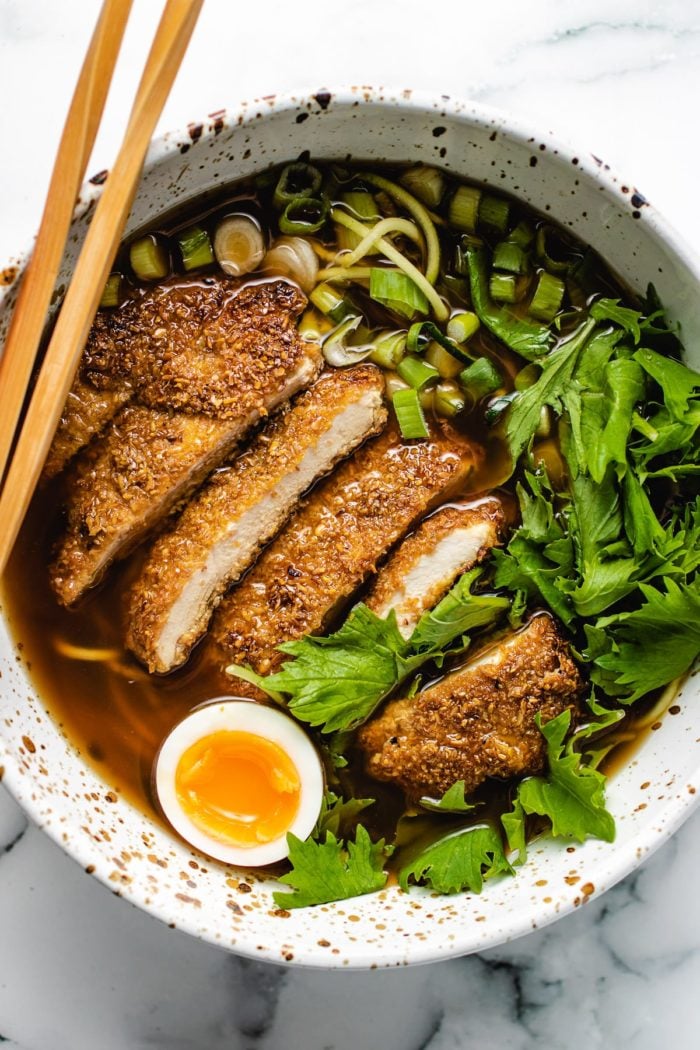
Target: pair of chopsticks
(23, 451)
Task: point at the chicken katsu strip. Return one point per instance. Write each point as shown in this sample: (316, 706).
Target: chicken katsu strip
(201, 345)
(224, 526)
(130, 479)
(332, 544)
(424, 567)
(479, 721)
(87, 412)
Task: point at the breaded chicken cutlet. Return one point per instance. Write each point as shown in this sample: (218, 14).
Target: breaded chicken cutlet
(423, 568)
(333, 542)
(223, 527)
(149, 458)
(479, 721)
(202, 345)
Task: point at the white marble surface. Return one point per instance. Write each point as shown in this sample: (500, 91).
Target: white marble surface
(80, 969)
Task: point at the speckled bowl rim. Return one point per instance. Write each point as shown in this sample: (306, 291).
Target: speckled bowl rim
(615, 864)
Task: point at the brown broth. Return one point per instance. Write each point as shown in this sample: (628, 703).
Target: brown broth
(109, 707)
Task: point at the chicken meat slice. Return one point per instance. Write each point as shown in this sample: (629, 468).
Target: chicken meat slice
(128, 481)
(423, 568)
(223, 528)
(205, 345)
(332, 543)
(479, 721)
(87, 412)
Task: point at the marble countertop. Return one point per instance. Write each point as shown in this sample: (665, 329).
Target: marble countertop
(81, 969)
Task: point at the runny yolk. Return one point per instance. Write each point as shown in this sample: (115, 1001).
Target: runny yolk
(238, 787)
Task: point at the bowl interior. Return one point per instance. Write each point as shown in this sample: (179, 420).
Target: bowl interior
(649, 796)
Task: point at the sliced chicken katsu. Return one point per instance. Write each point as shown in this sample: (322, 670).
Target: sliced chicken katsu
(222, 529)
(86, 412)
(422, 570)
(332, 544)
(129, 480)
(204, 344)
(479, 721)
(201, 345)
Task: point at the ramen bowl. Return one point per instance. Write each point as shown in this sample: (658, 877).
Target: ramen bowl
(649, 795)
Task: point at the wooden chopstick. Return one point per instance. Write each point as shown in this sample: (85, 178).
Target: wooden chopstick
(77, 140)
(82, 298)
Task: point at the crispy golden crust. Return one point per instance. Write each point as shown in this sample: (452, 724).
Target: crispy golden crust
(423, 568)
(130, 479)
(478, 722)
(223, 527)
(333, 543)
(201, 345)
(87, 412)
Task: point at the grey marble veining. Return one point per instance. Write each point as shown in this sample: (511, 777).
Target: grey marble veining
(80, 969)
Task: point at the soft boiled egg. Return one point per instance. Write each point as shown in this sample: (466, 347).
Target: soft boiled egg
(234, 777)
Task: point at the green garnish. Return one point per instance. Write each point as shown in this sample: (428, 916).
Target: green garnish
(397, 292)
(409, 413)
(332, 870)
(416, 372)
(112, 291)
(459, 861)
(547, 299)
(453, 801)
(149, 258)
(195, 248)
(296, 182)
(304, 215)
(481, 378)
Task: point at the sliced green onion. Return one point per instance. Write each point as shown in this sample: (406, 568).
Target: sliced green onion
(337, 351)
(448, 399)
(422, 332)
(409, 414)
(547, 298)
(458, 287)
(149, 258)
(309, 327)
(481, 378)
(463, 212)
(389, 348)
(363, 206)
(394, 382)
(304, 215)
(544, 426)
(394, 255)
(503, 288)
(523, 336)
(494, 212)
(446, 363)
(329, 301)
(195, 248)
(295, 258)
(545, 233)
(112, 290)
(419, 213)
(510, 257)
(296, 181)
(238, 244)
(397, 292)
(416, 372)
(496, 409)
(523, 235)
(463, 326)
(527, 377)
(427, 184)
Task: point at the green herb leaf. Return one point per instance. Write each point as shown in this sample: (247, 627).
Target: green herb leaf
(610, 310)
(331, 870)
(677, 382)
(458, 612)
(336, 682)
(514, 825)
(648, 647)
(572, 795)
(339, 815)
(453, 801)
(459, 861)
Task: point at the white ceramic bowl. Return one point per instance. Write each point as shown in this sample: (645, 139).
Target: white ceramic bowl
(649, 798)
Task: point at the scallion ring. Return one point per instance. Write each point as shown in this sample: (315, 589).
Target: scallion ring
(303, 215)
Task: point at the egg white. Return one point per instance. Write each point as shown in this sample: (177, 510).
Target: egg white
(248, 717)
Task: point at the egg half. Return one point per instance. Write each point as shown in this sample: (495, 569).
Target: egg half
(234, 777)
